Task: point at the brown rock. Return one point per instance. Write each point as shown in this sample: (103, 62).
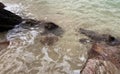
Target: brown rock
(95, 66)
(105, 55)
(48, 39)
(4, 45)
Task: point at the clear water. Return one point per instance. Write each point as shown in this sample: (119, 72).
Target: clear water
(26, 55)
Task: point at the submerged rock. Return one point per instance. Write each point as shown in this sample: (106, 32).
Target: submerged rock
(4, 45)
(50, 33)
(48, 27)
(96, 37)
(27, 23)
(48, 39)
(8, 19)
(102, 59)
(51, 26)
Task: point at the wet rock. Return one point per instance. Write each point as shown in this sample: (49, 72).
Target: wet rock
(48, 39)
(107, 53)
(96, 37)
(28, 23)
(94, 66)
(2, 5)
(102, 59)
(51, 26)
(4, 45)
(44, 24)
(48, 27)
(8, 19)
(31, 22)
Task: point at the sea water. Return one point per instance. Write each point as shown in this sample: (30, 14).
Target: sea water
(26, 55)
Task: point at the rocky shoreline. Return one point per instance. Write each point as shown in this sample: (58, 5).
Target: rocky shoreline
(9, 20)
(102, 56)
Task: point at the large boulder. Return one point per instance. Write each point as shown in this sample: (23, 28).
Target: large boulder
(102, 59)
(8, 19)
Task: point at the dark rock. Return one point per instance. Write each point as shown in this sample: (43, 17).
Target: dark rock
(44, 24)
(28, 23)
(50, 26)
(96, 37)
(50, 32)
(8, 19)
(2, 5)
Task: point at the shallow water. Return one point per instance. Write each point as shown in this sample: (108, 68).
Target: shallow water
(26, 55)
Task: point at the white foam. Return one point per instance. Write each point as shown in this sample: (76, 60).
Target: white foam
(76, 72)
(28, 57)
(82, 58)
(33, 35)
(46, 56)
(19, 9)
(16, 8)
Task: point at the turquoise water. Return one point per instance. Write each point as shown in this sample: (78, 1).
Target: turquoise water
(26, 55)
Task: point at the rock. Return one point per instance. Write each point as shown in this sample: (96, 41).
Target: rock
(48, 39)
(53, 28)
(107, 53)
(50, 26)
(2, 5)
(8, 19)
(94, 66)
(28, 23)
(96, 37)
(4, 45)
(102, 59)
(44, 24)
